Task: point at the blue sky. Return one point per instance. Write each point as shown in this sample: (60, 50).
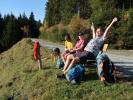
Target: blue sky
(20, 6)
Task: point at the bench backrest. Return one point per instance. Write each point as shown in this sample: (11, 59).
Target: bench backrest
(105, 46)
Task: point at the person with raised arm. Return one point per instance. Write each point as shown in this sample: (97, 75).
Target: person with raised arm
(92, 48)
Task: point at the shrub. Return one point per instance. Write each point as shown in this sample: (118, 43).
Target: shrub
(55, 33)
(78, 24)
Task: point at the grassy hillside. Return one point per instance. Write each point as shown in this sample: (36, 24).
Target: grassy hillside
(21, 80)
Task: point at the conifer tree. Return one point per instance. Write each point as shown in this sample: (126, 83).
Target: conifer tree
(1, 25)
(68, 9)
(9, 36)
(85, 9)
(33, 29)
(53, 15)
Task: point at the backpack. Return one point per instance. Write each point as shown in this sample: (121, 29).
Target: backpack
(75, 74)
(59, 63)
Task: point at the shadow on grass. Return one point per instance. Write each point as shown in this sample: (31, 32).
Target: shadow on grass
(46, 67)
(90, 74)
(126, 70)
(125, 73)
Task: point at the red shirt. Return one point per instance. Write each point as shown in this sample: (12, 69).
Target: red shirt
(36, 47)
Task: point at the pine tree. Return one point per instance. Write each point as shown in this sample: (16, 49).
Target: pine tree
(68, 9)
(33, 29)
(84, 9)
(9, 36)
(63, 10)
(53, 15)
(1, 31)
(20, 24)
(1, 25)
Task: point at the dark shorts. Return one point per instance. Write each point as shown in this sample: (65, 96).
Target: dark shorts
(85, 55)
(77, 54)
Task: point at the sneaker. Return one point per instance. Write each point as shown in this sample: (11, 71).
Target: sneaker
(104, 83)
(73, 82)
(67, 77)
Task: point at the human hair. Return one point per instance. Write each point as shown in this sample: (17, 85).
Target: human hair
(68, 37)
(56, 51)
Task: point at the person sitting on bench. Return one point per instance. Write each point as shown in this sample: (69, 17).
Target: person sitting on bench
(105, 68)
(78, 48)
(92, 48)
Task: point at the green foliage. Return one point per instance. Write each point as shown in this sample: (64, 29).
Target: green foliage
(53, 15)
(85, 9)
(101, 12)
(1, 26)
(33, 28)
(78, 24)
(68, 10)
(63, 10)
(44, 27)
(121, 33)
(12, 29)
(56, 33)
(10, 32)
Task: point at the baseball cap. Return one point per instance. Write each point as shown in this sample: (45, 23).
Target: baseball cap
(80, 33)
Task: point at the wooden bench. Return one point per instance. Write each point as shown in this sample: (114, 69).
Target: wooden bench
(105, 46)
(92, 61)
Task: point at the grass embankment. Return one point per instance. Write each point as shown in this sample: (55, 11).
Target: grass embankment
(21, 80)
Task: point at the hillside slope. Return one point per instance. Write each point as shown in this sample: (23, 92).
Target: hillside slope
(19, 72)
(21, 80)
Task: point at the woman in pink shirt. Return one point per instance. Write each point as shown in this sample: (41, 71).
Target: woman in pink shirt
(80, 45)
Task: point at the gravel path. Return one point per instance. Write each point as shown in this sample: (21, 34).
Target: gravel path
(123, 59)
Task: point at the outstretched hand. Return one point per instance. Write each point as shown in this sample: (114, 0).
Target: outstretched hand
(115, 19)
(92, 26)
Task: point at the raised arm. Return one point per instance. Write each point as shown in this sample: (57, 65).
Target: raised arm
(107, 29)
(93, 30)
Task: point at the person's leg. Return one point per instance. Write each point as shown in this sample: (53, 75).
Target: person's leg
(82, 57)
(78, 58)
(39, 62)
(101, 72)
(73, 62)
(63, 56)
(68, 61)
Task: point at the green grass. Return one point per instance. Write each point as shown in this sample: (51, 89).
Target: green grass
(21, 80)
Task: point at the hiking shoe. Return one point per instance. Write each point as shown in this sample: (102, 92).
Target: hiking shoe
(73, 82)
(104, 83)
(67, 77)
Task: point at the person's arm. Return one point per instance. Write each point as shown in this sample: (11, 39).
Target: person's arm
(81, 47)
(73, 49)
(65, 46)
(93, 31)
(107, 29)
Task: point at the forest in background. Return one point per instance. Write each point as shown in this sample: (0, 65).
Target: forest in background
(13, 29)
(72, 16)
